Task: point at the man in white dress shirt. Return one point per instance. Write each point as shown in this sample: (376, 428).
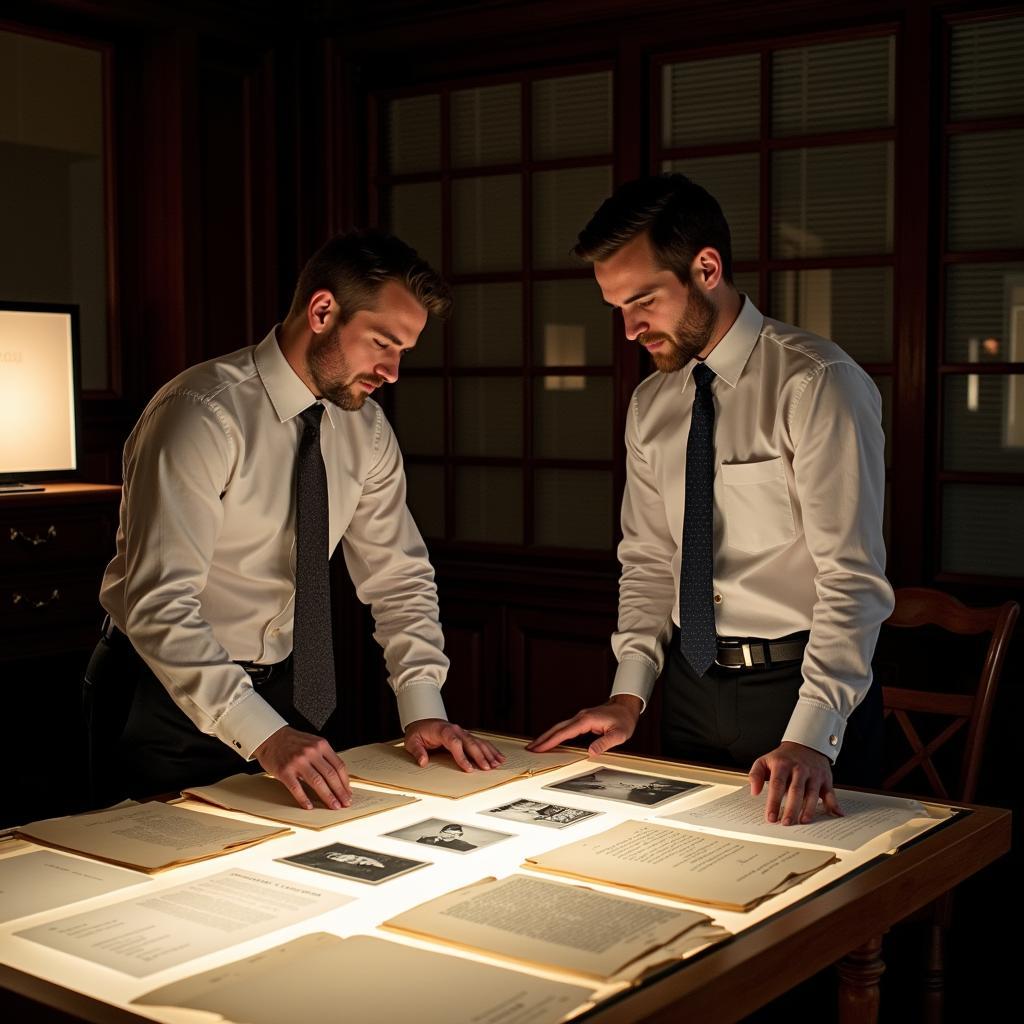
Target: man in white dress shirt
(796, 580)
(193, 676)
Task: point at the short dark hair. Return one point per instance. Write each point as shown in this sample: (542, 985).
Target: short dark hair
(679, 216)
(354, 266)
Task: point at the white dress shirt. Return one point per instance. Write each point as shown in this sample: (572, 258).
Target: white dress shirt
(799, 493)
(204, 573)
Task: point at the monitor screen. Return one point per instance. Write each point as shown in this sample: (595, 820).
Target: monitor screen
(38, 392)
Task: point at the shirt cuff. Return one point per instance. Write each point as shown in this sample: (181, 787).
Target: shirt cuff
(817, 727)
(247, 723)
(635, 676)
(417, 701)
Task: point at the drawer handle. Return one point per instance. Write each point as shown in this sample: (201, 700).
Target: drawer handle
(39, 538)
(21, 601)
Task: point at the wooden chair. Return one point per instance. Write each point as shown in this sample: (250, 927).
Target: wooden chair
(941, 726)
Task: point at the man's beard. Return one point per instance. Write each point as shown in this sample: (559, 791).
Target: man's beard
(690, 336)
(343, 390)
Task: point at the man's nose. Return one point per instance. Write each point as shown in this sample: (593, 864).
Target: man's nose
(387, 370)
(635, 325)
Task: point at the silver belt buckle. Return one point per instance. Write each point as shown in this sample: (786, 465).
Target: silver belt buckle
(748, 661)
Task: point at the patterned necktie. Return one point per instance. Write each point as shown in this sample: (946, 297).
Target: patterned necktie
(314, 693)
(697, 635)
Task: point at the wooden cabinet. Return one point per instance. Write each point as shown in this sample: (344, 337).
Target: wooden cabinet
(54, 545)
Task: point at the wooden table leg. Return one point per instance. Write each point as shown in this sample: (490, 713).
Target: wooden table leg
(859, 972)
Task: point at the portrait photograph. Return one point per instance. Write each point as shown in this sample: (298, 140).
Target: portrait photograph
(626, 787)
(370, 866)
(539, 812)
(448, 835)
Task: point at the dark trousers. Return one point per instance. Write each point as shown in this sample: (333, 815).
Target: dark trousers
(730, 717)
(141, 743)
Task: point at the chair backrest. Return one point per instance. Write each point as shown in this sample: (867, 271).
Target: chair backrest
(917, 699)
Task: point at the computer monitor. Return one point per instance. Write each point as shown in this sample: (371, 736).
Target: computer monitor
(39, 386)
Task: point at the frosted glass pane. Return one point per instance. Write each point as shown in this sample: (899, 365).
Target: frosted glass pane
(487, 325)
(833, 201)
(573, 509)
(986, 191)
(413, 134)
(981, 530)
(984, 303)
(983, 422)
(705, 101)
(419, 415)
(735, 182)
(429, 350)
(852, 307)
(425, 497)
(572, 417)
(834, 87)
(572, 116)
(485, 126)
(563, 203)
(415, 216)
(749, 283)
(987, 69)
(487, 224)
(571, 324)
(488, 416)
(489, 505)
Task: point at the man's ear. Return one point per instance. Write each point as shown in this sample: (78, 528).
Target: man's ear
(320, 310)
(706, 268)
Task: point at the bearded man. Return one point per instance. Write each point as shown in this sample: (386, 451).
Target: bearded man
(241, 477)
(751, 520)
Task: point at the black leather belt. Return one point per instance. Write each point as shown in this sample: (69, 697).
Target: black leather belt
(259, 673)
(752, 652)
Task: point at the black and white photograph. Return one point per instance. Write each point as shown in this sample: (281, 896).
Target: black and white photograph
(448, 835)
(626, 787)
(539, 812)
(354, 862)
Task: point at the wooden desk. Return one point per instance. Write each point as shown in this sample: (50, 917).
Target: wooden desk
(731, 979)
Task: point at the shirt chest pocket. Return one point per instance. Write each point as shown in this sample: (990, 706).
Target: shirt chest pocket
(755, 504)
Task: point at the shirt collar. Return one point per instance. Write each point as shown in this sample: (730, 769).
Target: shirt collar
(287, 393)
(730, 355)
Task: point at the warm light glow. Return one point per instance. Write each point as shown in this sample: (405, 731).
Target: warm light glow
(564, 345)
(37, 393)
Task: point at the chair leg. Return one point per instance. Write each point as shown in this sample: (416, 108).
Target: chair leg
(935, 976)
(859, 972)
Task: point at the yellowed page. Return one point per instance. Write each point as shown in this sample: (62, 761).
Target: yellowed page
(265, 797)
(320, 977)
(386, 765)
(149, 837)
(551, 924)
(713, 871)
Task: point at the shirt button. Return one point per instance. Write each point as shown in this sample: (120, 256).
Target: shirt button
(718, 598)
(833, 740)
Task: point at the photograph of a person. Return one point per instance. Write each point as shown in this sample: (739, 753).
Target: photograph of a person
(353, 862)
(628, 787)
(538, 812)
(448, 835)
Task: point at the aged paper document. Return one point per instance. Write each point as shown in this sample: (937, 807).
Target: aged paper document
(265, 797)
(320, 977)
(552, 924)
(149, 837)
(713, 871)
(866, 816)
(162, 929)
(45, 879)
(386, 765)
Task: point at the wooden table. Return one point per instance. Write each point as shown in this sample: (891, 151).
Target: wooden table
(842, 922)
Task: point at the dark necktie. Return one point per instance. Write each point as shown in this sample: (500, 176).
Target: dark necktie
(697, 635)
(314, 693)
